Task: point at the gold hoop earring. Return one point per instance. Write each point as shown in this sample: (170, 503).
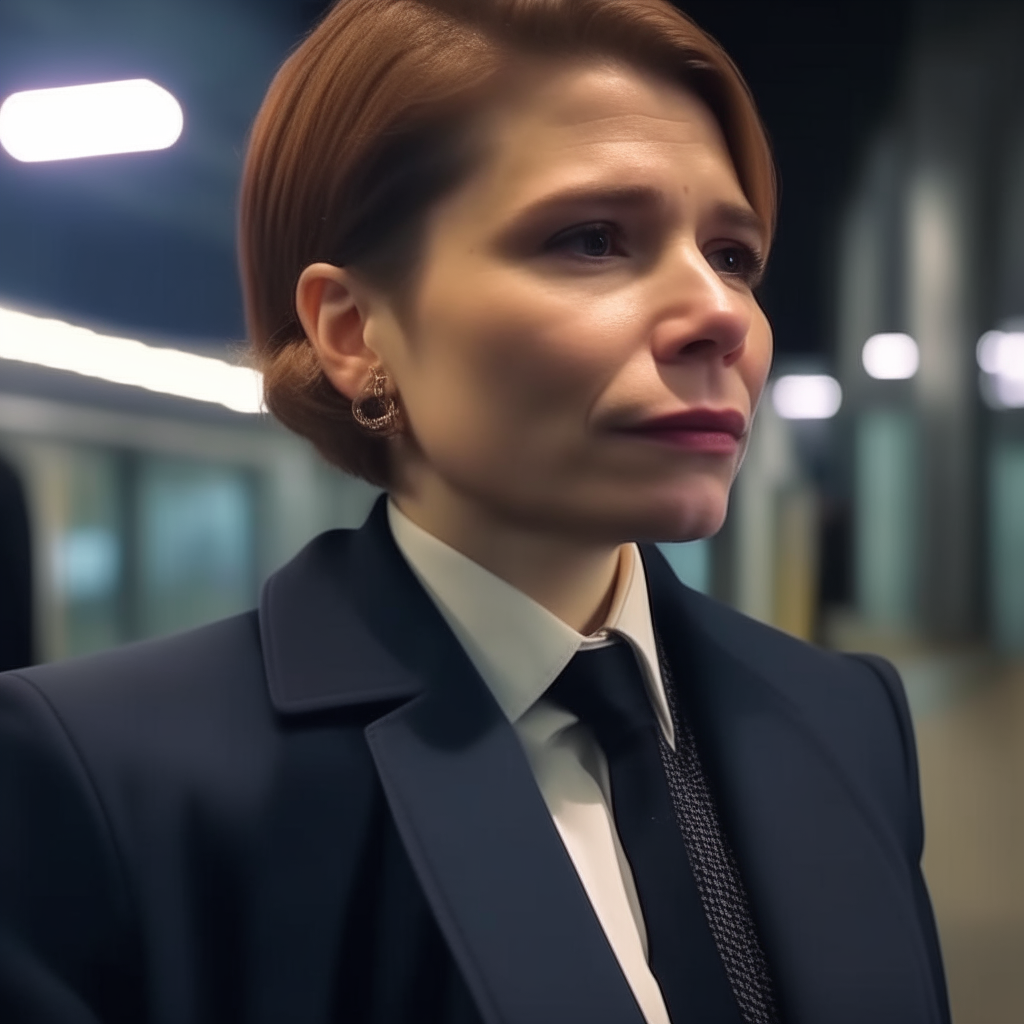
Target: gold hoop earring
(374, 409)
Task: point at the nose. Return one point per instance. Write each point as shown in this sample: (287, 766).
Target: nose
(701, 315)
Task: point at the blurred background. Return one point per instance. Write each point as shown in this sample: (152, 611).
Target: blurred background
(881, 506)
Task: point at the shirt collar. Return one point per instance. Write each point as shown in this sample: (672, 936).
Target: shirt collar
(516, 644)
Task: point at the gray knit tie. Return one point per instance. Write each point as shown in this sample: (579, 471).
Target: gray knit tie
(721, 889)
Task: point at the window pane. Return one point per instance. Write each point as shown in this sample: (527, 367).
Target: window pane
(86, 552)
(196, 544)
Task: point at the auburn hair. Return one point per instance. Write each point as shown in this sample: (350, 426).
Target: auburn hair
(364, 128)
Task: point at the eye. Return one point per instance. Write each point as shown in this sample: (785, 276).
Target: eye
(738, 261)
(592, 241)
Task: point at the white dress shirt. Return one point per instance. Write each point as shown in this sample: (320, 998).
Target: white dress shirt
(520, 648)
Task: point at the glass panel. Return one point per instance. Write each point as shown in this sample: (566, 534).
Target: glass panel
(886, 517)
(196, 544)
(1007, 547)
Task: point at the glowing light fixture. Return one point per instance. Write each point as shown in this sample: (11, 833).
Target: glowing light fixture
(1001, 358)
(62, 346)
(89, 120)
(1002, 353)
(807, 396)
(891, 356)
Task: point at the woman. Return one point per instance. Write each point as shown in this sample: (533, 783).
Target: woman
(485, 758)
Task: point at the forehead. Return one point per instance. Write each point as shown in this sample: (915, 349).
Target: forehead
(604, 100)
(604, 125)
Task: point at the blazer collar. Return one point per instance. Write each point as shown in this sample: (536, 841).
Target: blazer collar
(318, 615)
(347, 623)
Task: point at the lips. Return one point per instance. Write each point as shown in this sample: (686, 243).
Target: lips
(723, 421)
(712, 431)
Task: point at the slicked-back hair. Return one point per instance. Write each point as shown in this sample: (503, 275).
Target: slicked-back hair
(364, 128)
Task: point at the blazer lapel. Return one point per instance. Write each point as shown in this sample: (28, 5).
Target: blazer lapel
(464, 800)
(828, 881)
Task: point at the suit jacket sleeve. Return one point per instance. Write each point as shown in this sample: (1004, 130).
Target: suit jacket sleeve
(915, 820)
(65, 932)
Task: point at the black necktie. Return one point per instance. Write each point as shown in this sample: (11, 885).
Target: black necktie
(702, 947)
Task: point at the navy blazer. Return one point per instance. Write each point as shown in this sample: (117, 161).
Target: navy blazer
(318, 813)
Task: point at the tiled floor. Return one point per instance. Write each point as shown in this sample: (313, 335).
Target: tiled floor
(970, 733)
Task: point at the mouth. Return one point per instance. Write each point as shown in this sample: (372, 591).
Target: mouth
(708, 431)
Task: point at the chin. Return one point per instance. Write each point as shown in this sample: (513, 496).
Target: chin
(673, 524)
(688, 511)
(675, 514)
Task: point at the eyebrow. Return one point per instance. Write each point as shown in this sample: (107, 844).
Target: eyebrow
(741, 217)
(731, 215)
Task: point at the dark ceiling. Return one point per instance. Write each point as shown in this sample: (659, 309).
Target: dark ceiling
(144, 243)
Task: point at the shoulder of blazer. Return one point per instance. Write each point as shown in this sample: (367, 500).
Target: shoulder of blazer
(810, 756)
(98, 756)
(171, 720)
(181, 706)
(853, 705)
(220, 673)
(218, 665)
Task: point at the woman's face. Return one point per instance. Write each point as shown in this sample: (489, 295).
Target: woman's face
(583, 352)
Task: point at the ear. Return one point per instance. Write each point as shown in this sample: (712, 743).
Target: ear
(332, 306)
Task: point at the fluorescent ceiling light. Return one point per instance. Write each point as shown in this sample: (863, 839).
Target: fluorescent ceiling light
(89, 120)
(808, 396)
(891, 356)
(61, 346)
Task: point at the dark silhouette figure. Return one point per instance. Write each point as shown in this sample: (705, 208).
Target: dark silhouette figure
(15, 573)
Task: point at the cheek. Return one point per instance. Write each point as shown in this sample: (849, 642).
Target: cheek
(522, 360)
(757, 359)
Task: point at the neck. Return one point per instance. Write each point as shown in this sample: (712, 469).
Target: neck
(572, 580)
